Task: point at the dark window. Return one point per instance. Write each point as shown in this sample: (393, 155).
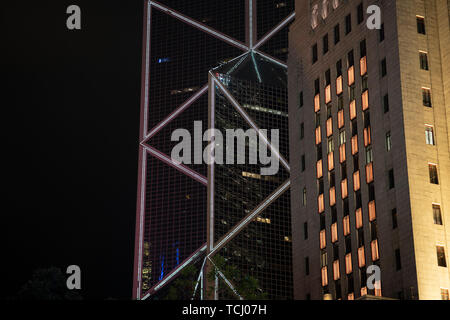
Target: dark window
(394, 219)
(355, 163)
(337, 34)
(302, 131)
(325, 43)
(339, 68)
(421, 25)
(437, 215)
(305, 230)
(350, 59)
(381, 33)
(300, 99)
(350, 283)
(426, 97)
(336, 251)
(383, 67)
(363, 48)
(344, 171)
(354, 128)
(328, 77)
(360, 11)
(373, 230)
(348, 24)
(322, 221)
(423, 60)
(434, 179)
(386, 103)
(348, 245)
(346, 207)
(314, 53)
(358, 199)
(307, 266)
(317, 86)
(391, 179)
(303, 163)
(371, 192)
(398, 260)
(442, 262)
(361, 238)
(304, 197)
(340, 102)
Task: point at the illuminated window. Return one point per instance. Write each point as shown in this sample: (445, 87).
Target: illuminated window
(341, 120)
(351, 75)
(442, 262)
(359, 219)
(375, 250)
(378, 288)
(429, 135)
(334, 233)
(318, 135)
(437, 215)
(434, 179)
(363, 66)
(365, 100)
(346, 223)
(367, 136)
(323, 239)
(331, 161)
(354, 145)
(351, 296)
(323, 259)
(319, 169)
(317, 103)
(363, 291)
(348, 263)
(336, 270)
(372, 211)
(369, 173)
(321, 204)
(444, 294)
(332, 196)
(388, 141)
(342, 153)
(329, 127)
(344, 189)
(324, 273)
(352, 109)
(356, 181)
(361, 257)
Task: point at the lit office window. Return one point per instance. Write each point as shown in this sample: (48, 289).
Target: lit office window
(359, 219)
(429, 135)
(319, 169)
(334, 233)
(336, 270)
(348, 264)
(369, 173)
(344, 188)
(324, 273)
(372, 211)
(320, 202)
(444, 294)
(332, 196)
(375, 250)
(361, 257)
(346, 223)
(323, 239)
(365, 100)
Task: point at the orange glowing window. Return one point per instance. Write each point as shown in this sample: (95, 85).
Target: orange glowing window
(348, 263)
(336, 270)
(359, 218)
(318, 135)
(356, 181)
(351, 296)
(378, 289)
(352, 109)
(344, 188)
(323, 239)
(321, 204)
(372, 211)
(367, 136)
(341, 122)
(369, 173)
(365, 100)
(375, 250)
(361, 257)
(334, 233)
(354, 145)
(363, 291)
(346, 223)
(339, 86)
(331, 161)
(329, 127)
(351, 75)
(332, 196)
(317, 103)
(363, 65)
(328, 94)
(324, 273)
(319, 169)
(342, 153)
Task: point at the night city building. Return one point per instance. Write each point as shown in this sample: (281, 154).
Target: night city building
(369, 121)
(187, 212)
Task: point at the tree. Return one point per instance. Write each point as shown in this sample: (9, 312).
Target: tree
(183, 287)
(47, 284)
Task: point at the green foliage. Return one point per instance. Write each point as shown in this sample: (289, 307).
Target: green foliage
(47, 284)
(183, 287)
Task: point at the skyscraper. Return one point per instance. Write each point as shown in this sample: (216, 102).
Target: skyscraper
(183, 41)
(369, 132)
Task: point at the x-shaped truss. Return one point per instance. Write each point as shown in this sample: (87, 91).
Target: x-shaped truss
(250, 47)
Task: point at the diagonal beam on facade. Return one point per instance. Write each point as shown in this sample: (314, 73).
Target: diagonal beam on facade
(199, 25)
(228, 282)
(274, 31)
(178, 166)
(249, 120)
(273, 59)
(177, 112)
(250, 217)
(171, 275)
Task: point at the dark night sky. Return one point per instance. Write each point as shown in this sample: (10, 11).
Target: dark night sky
(70, 123)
